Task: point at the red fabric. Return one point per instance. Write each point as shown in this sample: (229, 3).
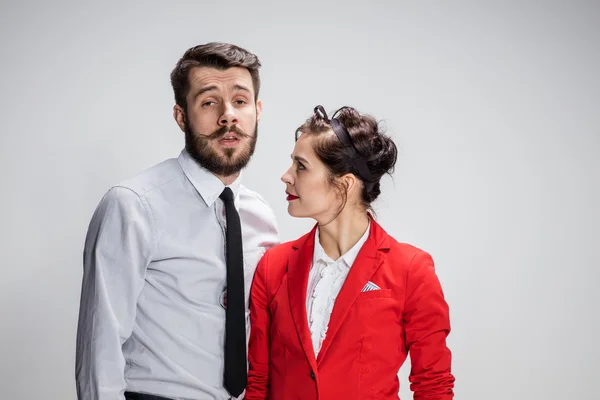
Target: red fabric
(369, 334)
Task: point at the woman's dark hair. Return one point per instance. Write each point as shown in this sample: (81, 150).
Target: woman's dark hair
(370, 141)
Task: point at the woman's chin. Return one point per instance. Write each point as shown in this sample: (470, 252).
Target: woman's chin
(294, 212)
(291, 211)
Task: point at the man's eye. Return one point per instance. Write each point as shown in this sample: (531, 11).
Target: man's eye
(240, 102)
(208, 103)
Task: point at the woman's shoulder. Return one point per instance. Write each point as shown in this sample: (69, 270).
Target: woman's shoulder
(280, 253)
(273, 265)
(396, 247)
(406, 254)
(284, 249)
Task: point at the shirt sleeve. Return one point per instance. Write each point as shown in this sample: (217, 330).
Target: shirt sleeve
(118, 248)
(259, 343)
(271, 231)
(427, 324)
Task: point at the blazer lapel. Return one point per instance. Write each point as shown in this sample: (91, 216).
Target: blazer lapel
(367, 262)
(299, 264)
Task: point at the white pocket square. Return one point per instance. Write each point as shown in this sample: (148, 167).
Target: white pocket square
(370, 286)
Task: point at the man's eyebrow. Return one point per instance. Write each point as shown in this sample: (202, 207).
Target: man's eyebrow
(237, 86)
(205, 89)
(208, 88)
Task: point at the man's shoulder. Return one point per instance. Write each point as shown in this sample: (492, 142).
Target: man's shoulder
(248, 194)
(153, 177)
(130, 194)
(253, 205)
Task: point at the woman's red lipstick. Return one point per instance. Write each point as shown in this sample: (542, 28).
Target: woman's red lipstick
(290, 197)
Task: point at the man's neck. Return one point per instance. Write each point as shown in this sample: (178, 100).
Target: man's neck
(229, 179)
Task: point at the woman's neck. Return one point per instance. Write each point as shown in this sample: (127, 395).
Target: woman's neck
(341, 234)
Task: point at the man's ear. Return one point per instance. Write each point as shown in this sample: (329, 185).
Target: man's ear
(259, 108)
(179, 116)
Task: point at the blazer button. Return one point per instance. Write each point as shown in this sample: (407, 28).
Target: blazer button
(312, 375)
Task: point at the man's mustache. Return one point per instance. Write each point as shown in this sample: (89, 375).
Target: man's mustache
(219, 133)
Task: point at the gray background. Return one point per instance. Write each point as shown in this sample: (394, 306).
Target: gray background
(494, 105)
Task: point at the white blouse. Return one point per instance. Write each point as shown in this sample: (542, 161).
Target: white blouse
(324, 284)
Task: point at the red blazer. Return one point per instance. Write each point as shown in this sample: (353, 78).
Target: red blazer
(369, 335)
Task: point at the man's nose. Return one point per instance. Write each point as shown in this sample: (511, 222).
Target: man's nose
(228, 117)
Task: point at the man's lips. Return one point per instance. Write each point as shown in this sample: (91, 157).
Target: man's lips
(230, 135)
(229, 139)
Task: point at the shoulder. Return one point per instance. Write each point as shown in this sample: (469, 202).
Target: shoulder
(403, 255)
(411, 265)
(128, 197)
(273, 266)
(276, 258)
(280, 253)
(407, 253)
(153, 177)
(254, 199)
(251, 194)
(254, 206)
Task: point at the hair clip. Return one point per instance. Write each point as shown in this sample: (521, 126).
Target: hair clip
(320, 111)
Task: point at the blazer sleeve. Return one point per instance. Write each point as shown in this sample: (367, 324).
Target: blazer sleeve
(259, 342)
(427, 324)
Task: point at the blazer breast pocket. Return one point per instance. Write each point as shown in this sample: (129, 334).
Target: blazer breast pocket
(375, 309)
(375, 294)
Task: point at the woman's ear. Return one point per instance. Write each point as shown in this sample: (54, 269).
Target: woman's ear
(351, 183)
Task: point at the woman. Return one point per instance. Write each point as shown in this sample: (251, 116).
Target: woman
(335, 313)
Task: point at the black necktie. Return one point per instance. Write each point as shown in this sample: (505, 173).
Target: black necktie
(236, 375)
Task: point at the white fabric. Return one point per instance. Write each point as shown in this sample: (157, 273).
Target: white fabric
(325, 281)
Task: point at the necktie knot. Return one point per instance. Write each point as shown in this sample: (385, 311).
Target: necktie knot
(227, 195)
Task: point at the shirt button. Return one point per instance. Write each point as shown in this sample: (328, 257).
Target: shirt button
(312, 375)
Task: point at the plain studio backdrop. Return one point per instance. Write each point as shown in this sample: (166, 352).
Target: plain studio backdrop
(495, 107)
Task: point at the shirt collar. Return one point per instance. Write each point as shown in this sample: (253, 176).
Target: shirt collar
(349, 257)
(208, 185)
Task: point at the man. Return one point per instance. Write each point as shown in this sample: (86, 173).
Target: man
(167, 268)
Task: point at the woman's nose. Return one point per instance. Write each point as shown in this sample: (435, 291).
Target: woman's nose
(287, 178)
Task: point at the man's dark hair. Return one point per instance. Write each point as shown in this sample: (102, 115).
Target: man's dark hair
(215, 55)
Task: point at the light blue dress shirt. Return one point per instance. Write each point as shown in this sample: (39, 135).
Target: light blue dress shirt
(152, 318)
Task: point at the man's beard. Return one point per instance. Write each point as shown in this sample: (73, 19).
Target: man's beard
(200, 149)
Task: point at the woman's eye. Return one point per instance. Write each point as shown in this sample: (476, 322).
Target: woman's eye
(300, 165)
